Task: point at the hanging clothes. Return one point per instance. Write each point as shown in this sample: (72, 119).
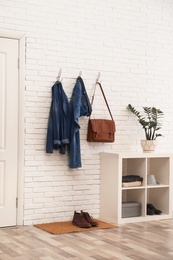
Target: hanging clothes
(79, 106)
(58, 124)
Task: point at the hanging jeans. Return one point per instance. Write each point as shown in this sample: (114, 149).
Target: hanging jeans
(79, 106)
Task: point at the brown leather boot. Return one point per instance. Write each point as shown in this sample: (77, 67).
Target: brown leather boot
(80, 221)
(89, 219)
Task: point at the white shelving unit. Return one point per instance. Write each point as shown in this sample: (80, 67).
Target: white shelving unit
(112, 194)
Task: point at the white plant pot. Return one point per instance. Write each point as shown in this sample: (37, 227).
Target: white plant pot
(148, 145)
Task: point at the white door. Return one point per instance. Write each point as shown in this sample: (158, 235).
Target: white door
(8, 130)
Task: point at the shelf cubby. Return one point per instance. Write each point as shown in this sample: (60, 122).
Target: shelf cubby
(112, 194)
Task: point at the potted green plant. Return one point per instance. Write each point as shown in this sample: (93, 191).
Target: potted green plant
(151, 124)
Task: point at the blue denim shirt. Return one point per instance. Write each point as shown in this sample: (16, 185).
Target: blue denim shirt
(79, 106)
(58, 124)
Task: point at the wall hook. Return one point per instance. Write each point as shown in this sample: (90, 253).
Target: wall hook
(98, 77)
(59, 74)
(80, 73)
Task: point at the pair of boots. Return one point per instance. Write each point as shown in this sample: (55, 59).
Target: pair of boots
(151, 210)
(83, 220)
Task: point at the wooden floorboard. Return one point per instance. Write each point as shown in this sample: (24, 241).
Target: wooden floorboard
(141, 241)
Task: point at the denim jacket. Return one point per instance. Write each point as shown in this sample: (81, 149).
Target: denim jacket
(79, 106)
(58, 124)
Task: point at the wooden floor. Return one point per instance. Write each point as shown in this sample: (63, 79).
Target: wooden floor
(147, 240)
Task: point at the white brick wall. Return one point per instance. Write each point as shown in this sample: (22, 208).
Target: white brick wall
(131, 43)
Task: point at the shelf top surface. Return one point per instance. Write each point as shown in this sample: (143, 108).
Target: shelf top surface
(139, 155)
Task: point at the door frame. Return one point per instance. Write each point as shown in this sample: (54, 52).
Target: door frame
(20, 36)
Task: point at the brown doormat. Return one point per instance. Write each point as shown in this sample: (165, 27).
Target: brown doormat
(67, 227)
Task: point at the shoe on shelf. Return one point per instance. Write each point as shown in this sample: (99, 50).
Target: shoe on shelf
(89, 219)
(156, 211)
(150, 211)
(80, 221)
